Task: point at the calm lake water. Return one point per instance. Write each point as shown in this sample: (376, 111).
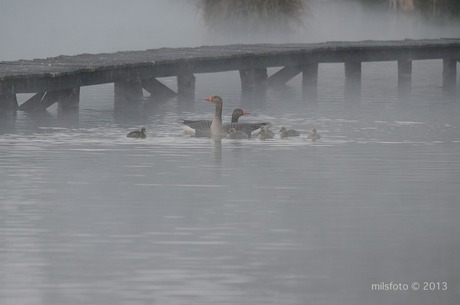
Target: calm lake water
(88, 216)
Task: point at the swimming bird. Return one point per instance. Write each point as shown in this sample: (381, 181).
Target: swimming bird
(234, 134)
(141, 133)
(288, 133)
(265, 133)
(202, 127)
(236, 114)
(314, 135)
(217, 129)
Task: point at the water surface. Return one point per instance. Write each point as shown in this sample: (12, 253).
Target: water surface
(88, 216)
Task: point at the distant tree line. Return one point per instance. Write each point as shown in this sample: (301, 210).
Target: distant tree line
(253, 17)
(428, 8)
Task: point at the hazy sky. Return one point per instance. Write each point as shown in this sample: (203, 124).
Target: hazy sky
(52, 27)
(36, 29)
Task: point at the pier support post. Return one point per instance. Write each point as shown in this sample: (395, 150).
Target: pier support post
(404, 77)
(33, 104)
(67, 98)
(186, 87)
(253, 86)
(254, 80)
(128, 93)
(352, 79)
(284, 75)
(449, 75)
(69, 101)
(8, 103)
(310, 81)
(157, 89)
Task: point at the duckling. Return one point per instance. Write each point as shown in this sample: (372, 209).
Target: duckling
(288, 133)
(314, 135)
(142, 133)
(234, 134)
(266, 133)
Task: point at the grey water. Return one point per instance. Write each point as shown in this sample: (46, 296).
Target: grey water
(89, 216)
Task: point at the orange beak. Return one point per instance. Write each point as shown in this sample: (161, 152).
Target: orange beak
(209, 99)
(246, 113)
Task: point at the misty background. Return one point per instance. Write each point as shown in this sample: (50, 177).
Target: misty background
(89, 216)
(37, 29)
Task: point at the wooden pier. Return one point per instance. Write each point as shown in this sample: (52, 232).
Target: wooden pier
(59, 79)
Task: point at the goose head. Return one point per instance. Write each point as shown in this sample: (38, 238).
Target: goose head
(237, 113)
(214, 99)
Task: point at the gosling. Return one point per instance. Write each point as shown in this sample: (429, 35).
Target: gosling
(139, 134)
(314, 135)
(234, 134)
(288, 133)
(265, 133)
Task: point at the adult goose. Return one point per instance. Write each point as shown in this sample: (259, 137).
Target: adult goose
(140, 134)
(202, 127)
(217, 129)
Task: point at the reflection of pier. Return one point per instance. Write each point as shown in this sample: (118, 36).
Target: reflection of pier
(59, 79)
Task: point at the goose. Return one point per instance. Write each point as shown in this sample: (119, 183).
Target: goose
(314, 135)
(201, 127)
(141, 133)
(265, 133)
(288, 133)
(217, 129)
(234, 134)
(236, 114)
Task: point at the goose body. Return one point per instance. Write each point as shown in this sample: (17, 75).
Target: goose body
(236, 134)
(216, 124)
(284, 133)
(314, 135)
(206, 128)
(140, 134)
(202, 128)
(236, 114)
(265, 133)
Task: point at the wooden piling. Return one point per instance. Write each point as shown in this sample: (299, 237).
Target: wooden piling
(449, 75)
(50, 98)
(253, 80)
(186, 87)
(70, 100)
(8, 103)
(128, 93)
(352, 79)
(353, 71)
(67, 98)
(310, 80)
(284, 75)
(404, 77)
(157, 89)
(33, 103)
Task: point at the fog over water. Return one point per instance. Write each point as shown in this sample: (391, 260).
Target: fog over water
(89, 216)
(37, 29)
